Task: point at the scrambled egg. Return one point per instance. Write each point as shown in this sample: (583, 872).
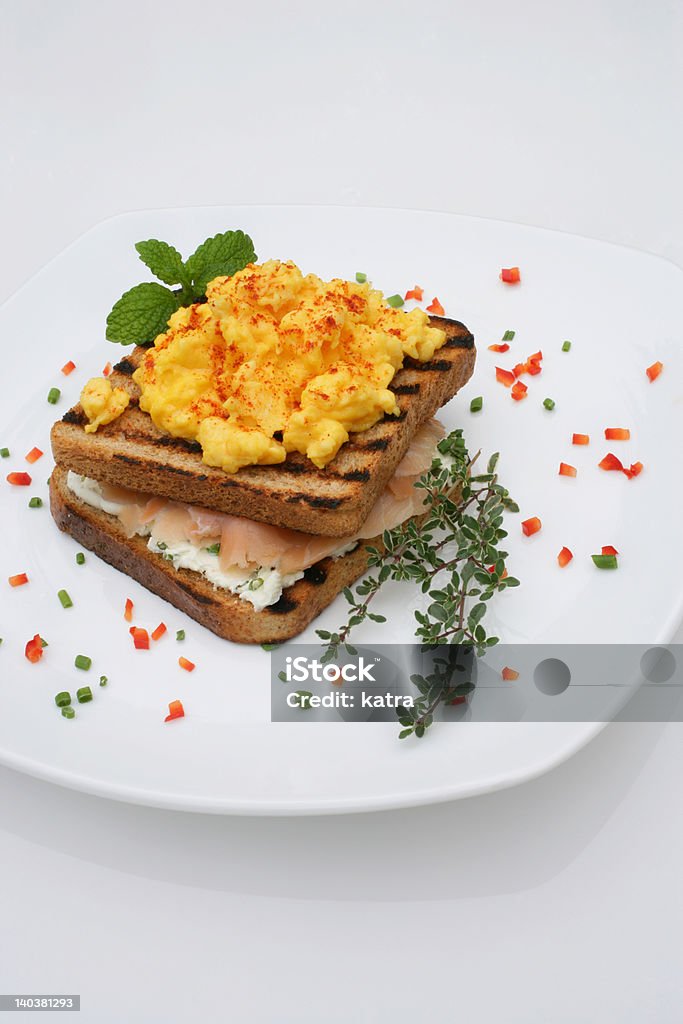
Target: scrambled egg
(275, 362)
(102, 403)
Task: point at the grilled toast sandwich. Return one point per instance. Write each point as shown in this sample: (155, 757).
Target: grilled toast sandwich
(219, 610)
(131, 452)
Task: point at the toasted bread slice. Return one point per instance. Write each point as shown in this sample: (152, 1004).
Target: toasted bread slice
(334, 501)
(222, 612)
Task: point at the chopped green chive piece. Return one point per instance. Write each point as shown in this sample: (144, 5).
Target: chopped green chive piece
(180, 635)
(35, 503)
(103, 680)
(605, 561)
(43, 643)
(548, 404)
(214, 549)
(80, 558)
(508, 336)
(270, 647)
(161, 545)
(83, 694)
(4, 453)
(83, 662)
(361, 278)
(63, 699)
(476, 404)
(68, 712)
(566, 345)
(65, 599)
(53, 396)
(395, 301)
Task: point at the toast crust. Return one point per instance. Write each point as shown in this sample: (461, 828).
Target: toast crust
(334, 501)
(222, 612)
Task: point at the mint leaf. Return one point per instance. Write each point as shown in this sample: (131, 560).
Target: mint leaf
(223, 254)
(141, 313)
(163, 260)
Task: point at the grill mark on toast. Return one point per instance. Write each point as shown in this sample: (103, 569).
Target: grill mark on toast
(314, 502)
(356, 474)
(166, 441)
(129, 459)
(406, 389)
(435, 366)
(181, 442)
(79, 419)
(460, 341)
(283, 606)
(132, 461)
(380, 444)
(316, 574)
(163, 440)
(185, 472)
(125, 367)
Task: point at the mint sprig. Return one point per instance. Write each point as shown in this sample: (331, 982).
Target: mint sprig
(143, 312)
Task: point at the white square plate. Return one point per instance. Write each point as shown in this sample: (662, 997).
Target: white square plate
(622, 310)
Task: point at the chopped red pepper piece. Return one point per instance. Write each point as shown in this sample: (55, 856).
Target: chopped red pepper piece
(18, 580)
(537, 357)
(19, 479)
(68, 368)
(189, 666)
(564, 558)
(140, 638)
(610, 461)
(34, 455)
(617, 434)
(436, 307)
(509, 674)
(510, 275)
(519, 390)
(159, 631)
(531, 526)
(128, 611)
(456, 701)
(107, 370)
(607, 549)
(499, 348)
(654, 371)
(175, 710)
(580, 439)
(505, 377)
(519, 368)
(533, 368)
(34, 649)
(415, 293)
(567, 470)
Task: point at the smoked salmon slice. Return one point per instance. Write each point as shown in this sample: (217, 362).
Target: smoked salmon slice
(246, 544)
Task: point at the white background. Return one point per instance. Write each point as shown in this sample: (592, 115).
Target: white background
(558, 901)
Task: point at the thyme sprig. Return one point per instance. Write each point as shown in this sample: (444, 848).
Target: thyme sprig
(452, 552)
